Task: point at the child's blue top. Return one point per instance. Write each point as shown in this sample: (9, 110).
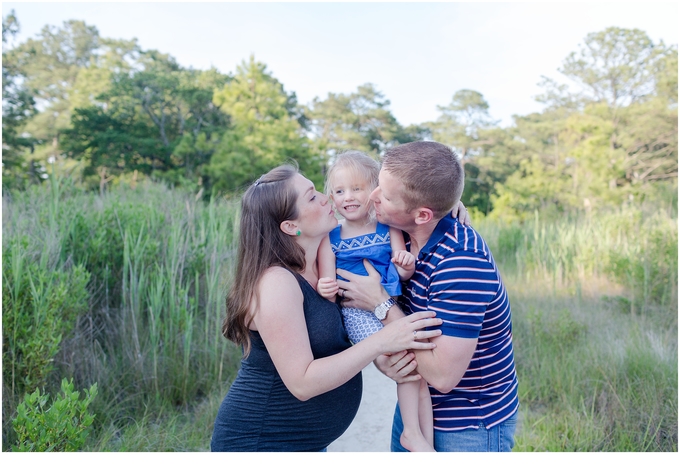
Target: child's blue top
(375, 247)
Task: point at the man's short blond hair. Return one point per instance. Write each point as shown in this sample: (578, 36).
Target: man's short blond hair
(432, 175)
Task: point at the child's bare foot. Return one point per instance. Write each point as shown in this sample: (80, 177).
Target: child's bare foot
(415, 443)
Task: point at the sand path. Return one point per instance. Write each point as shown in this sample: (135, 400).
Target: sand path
(372, 427)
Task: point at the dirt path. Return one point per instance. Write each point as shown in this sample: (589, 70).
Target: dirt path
(372, 427)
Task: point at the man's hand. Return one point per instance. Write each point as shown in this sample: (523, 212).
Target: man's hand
(400, 367)
(327, 288)
(364, 292)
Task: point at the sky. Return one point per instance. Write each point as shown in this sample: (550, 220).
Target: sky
(417, 54)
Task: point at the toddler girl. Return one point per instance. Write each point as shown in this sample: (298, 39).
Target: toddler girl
(349, 183)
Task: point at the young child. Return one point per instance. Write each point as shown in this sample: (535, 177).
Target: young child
(349, 183)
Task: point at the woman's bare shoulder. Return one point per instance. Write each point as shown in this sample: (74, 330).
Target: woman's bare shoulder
(278, 294)
(277, 277)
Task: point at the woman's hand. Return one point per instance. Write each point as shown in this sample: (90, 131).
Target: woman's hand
(461, 213)
(408, 333)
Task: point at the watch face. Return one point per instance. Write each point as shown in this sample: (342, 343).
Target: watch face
(382, 309)
(381, 312)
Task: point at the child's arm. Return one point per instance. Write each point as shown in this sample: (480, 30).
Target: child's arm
(461, 213)
(404, 261)
(327, 286)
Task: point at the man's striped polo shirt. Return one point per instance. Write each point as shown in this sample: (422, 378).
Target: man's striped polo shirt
(457, 278)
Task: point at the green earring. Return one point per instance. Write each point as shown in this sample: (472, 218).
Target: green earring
(298, 233)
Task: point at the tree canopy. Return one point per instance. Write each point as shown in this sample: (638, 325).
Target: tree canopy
(608, 133)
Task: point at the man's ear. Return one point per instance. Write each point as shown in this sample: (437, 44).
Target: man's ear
(423, 215)
(288, 227)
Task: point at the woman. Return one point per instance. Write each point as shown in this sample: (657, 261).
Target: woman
(299, 386)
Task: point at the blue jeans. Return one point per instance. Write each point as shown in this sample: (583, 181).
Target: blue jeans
(500, 438)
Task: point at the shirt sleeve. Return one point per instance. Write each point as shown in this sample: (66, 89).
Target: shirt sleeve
(461, 289)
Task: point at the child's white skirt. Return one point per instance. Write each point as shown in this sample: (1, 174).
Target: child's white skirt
(360, 324)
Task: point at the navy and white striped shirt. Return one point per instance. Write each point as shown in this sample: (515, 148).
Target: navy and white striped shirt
(456, 277)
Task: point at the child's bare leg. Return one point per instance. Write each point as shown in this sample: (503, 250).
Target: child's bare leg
(412, 437)
(425, 413)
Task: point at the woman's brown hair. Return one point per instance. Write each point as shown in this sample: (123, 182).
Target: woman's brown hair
(265, 204)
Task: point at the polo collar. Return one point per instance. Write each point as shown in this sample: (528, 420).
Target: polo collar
(440, 230)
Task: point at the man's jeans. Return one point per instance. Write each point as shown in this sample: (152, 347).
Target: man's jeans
(500, 438)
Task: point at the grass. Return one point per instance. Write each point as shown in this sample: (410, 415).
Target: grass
(592, 378)
(594, 317)
(160, 263)
(596, 351)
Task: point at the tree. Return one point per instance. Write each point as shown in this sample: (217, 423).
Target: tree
(631, 91)
(615, 66)
(606, 144)
(112, 143)
(64, 69)
(50, 65)
(18, 106)
(358, 121)
(264, 131)
(461, 122)
(466, 126)
(201, 122)
(154, 118)
(94, 81)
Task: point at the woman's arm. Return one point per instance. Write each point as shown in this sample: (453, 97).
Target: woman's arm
(280, 320)
(326, 286)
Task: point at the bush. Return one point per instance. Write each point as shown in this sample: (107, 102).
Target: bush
(96, 240)
(648, 270)
(64, 426)
(39, 307)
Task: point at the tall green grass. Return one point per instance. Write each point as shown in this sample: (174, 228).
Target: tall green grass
(595, 322)
(133, 283)
(157, 264)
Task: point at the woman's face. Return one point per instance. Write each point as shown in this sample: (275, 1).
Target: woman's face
(315, 213)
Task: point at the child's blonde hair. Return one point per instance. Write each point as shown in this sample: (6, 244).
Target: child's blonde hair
(360, 165)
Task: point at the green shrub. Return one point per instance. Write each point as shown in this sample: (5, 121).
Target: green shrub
(648, 269)
(96, 240)
(39, 307)
(159, 264)
(63, 426)
(558, 329)
(510, 238)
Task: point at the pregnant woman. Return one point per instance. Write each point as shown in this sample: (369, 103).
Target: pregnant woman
(299, 385)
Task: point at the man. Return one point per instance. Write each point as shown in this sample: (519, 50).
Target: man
(471, 372)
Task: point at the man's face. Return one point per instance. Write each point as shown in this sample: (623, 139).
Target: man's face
(390, 208)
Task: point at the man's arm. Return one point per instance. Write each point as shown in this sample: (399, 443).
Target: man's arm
(441, 369)
(448, 362)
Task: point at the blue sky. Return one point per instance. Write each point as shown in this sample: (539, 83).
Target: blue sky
(417, 54)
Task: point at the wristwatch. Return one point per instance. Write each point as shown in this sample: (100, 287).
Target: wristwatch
(381, 310)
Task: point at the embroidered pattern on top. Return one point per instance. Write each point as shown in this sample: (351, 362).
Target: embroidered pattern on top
(362, 241)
